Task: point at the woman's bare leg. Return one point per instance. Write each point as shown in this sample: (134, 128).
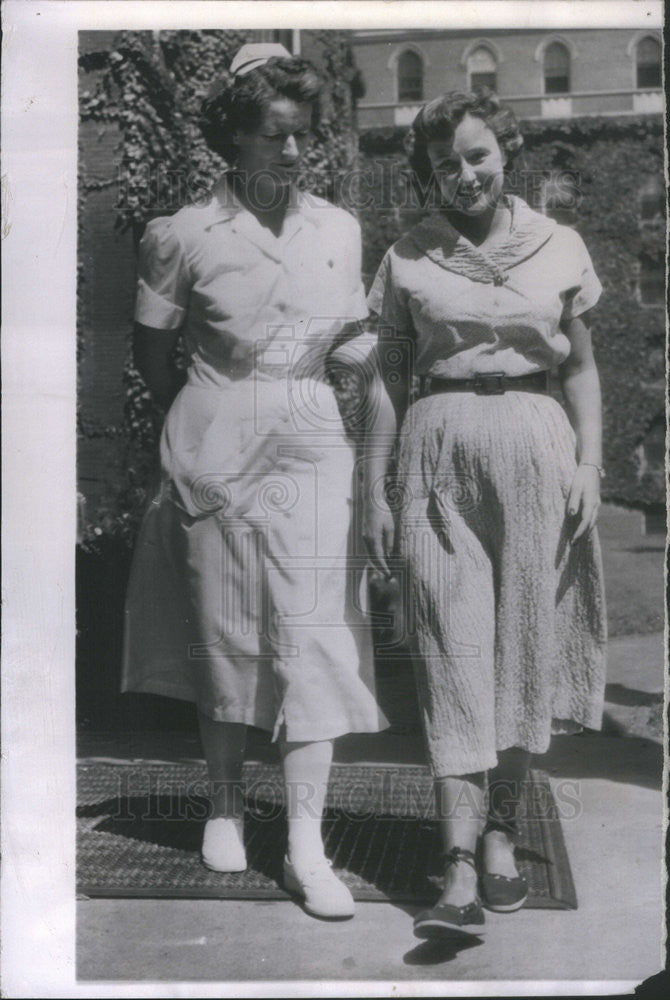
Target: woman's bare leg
(505, 784)
(460, 810)
(223, 744)
(306, 770)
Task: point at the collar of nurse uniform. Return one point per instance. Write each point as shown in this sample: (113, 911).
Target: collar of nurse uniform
(444, 245)
(226, 208)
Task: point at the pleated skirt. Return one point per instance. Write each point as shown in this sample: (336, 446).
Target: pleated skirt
(506, 618)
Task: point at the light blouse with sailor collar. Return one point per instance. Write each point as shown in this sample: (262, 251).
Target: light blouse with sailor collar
(466, 311)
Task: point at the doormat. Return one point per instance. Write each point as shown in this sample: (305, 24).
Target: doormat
(140, 825)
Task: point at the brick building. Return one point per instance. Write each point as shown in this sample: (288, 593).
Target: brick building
(538, 73)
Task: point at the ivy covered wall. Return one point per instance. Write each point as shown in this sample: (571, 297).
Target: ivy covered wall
(141, 155)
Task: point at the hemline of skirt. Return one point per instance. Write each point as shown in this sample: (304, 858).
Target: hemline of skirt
(274, 726)
(465, 765)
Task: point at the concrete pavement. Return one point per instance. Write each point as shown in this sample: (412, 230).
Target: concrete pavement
(614, 845)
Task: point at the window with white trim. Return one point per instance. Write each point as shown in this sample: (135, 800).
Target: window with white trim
(556, 69)
(482, 69)
(410, 76)
(648, 63)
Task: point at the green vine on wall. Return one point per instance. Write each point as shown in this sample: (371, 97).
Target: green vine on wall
(150, 86)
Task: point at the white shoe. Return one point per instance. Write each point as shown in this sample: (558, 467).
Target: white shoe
(321, 889)
(223, 845)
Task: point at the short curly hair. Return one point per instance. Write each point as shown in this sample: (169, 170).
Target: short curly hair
(437, 120)
(238, 105)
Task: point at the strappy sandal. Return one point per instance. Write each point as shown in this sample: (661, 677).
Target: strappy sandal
(502, 893)
(446, 919)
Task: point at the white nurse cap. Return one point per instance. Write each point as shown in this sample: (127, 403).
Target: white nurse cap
(255, 54)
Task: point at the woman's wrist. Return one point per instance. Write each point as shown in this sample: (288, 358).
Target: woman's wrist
(594, 465)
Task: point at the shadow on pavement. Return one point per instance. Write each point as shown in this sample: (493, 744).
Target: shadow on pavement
(619, 694)
(440, 950)
(626, 759)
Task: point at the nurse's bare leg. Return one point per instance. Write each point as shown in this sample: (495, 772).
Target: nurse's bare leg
(223, 841)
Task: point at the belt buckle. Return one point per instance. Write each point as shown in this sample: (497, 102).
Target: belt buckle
(490, 384)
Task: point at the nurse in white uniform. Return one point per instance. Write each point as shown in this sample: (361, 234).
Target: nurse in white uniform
(244, 594)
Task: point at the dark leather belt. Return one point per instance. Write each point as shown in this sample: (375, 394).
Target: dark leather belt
(488, 384)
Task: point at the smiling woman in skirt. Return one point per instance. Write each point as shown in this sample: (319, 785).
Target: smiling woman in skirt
(500, 489)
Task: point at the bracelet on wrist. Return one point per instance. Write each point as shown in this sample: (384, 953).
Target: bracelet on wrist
(592, 465)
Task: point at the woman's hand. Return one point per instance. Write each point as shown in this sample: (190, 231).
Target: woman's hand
(584, 499)
(581, 387)
(378, 524)
(379, 535)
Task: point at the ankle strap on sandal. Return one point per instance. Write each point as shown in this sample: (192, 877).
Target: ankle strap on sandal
(504, 826)
(457, 854)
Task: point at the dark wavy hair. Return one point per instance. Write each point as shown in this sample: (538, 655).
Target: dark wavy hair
(239, 105)
(437, 120)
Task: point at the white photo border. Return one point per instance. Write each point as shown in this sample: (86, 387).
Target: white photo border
(39, 200)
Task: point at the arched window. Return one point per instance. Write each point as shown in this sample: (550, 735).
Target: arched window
(410, 76)
(482, 69)
(556, 69)
(648, 63)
